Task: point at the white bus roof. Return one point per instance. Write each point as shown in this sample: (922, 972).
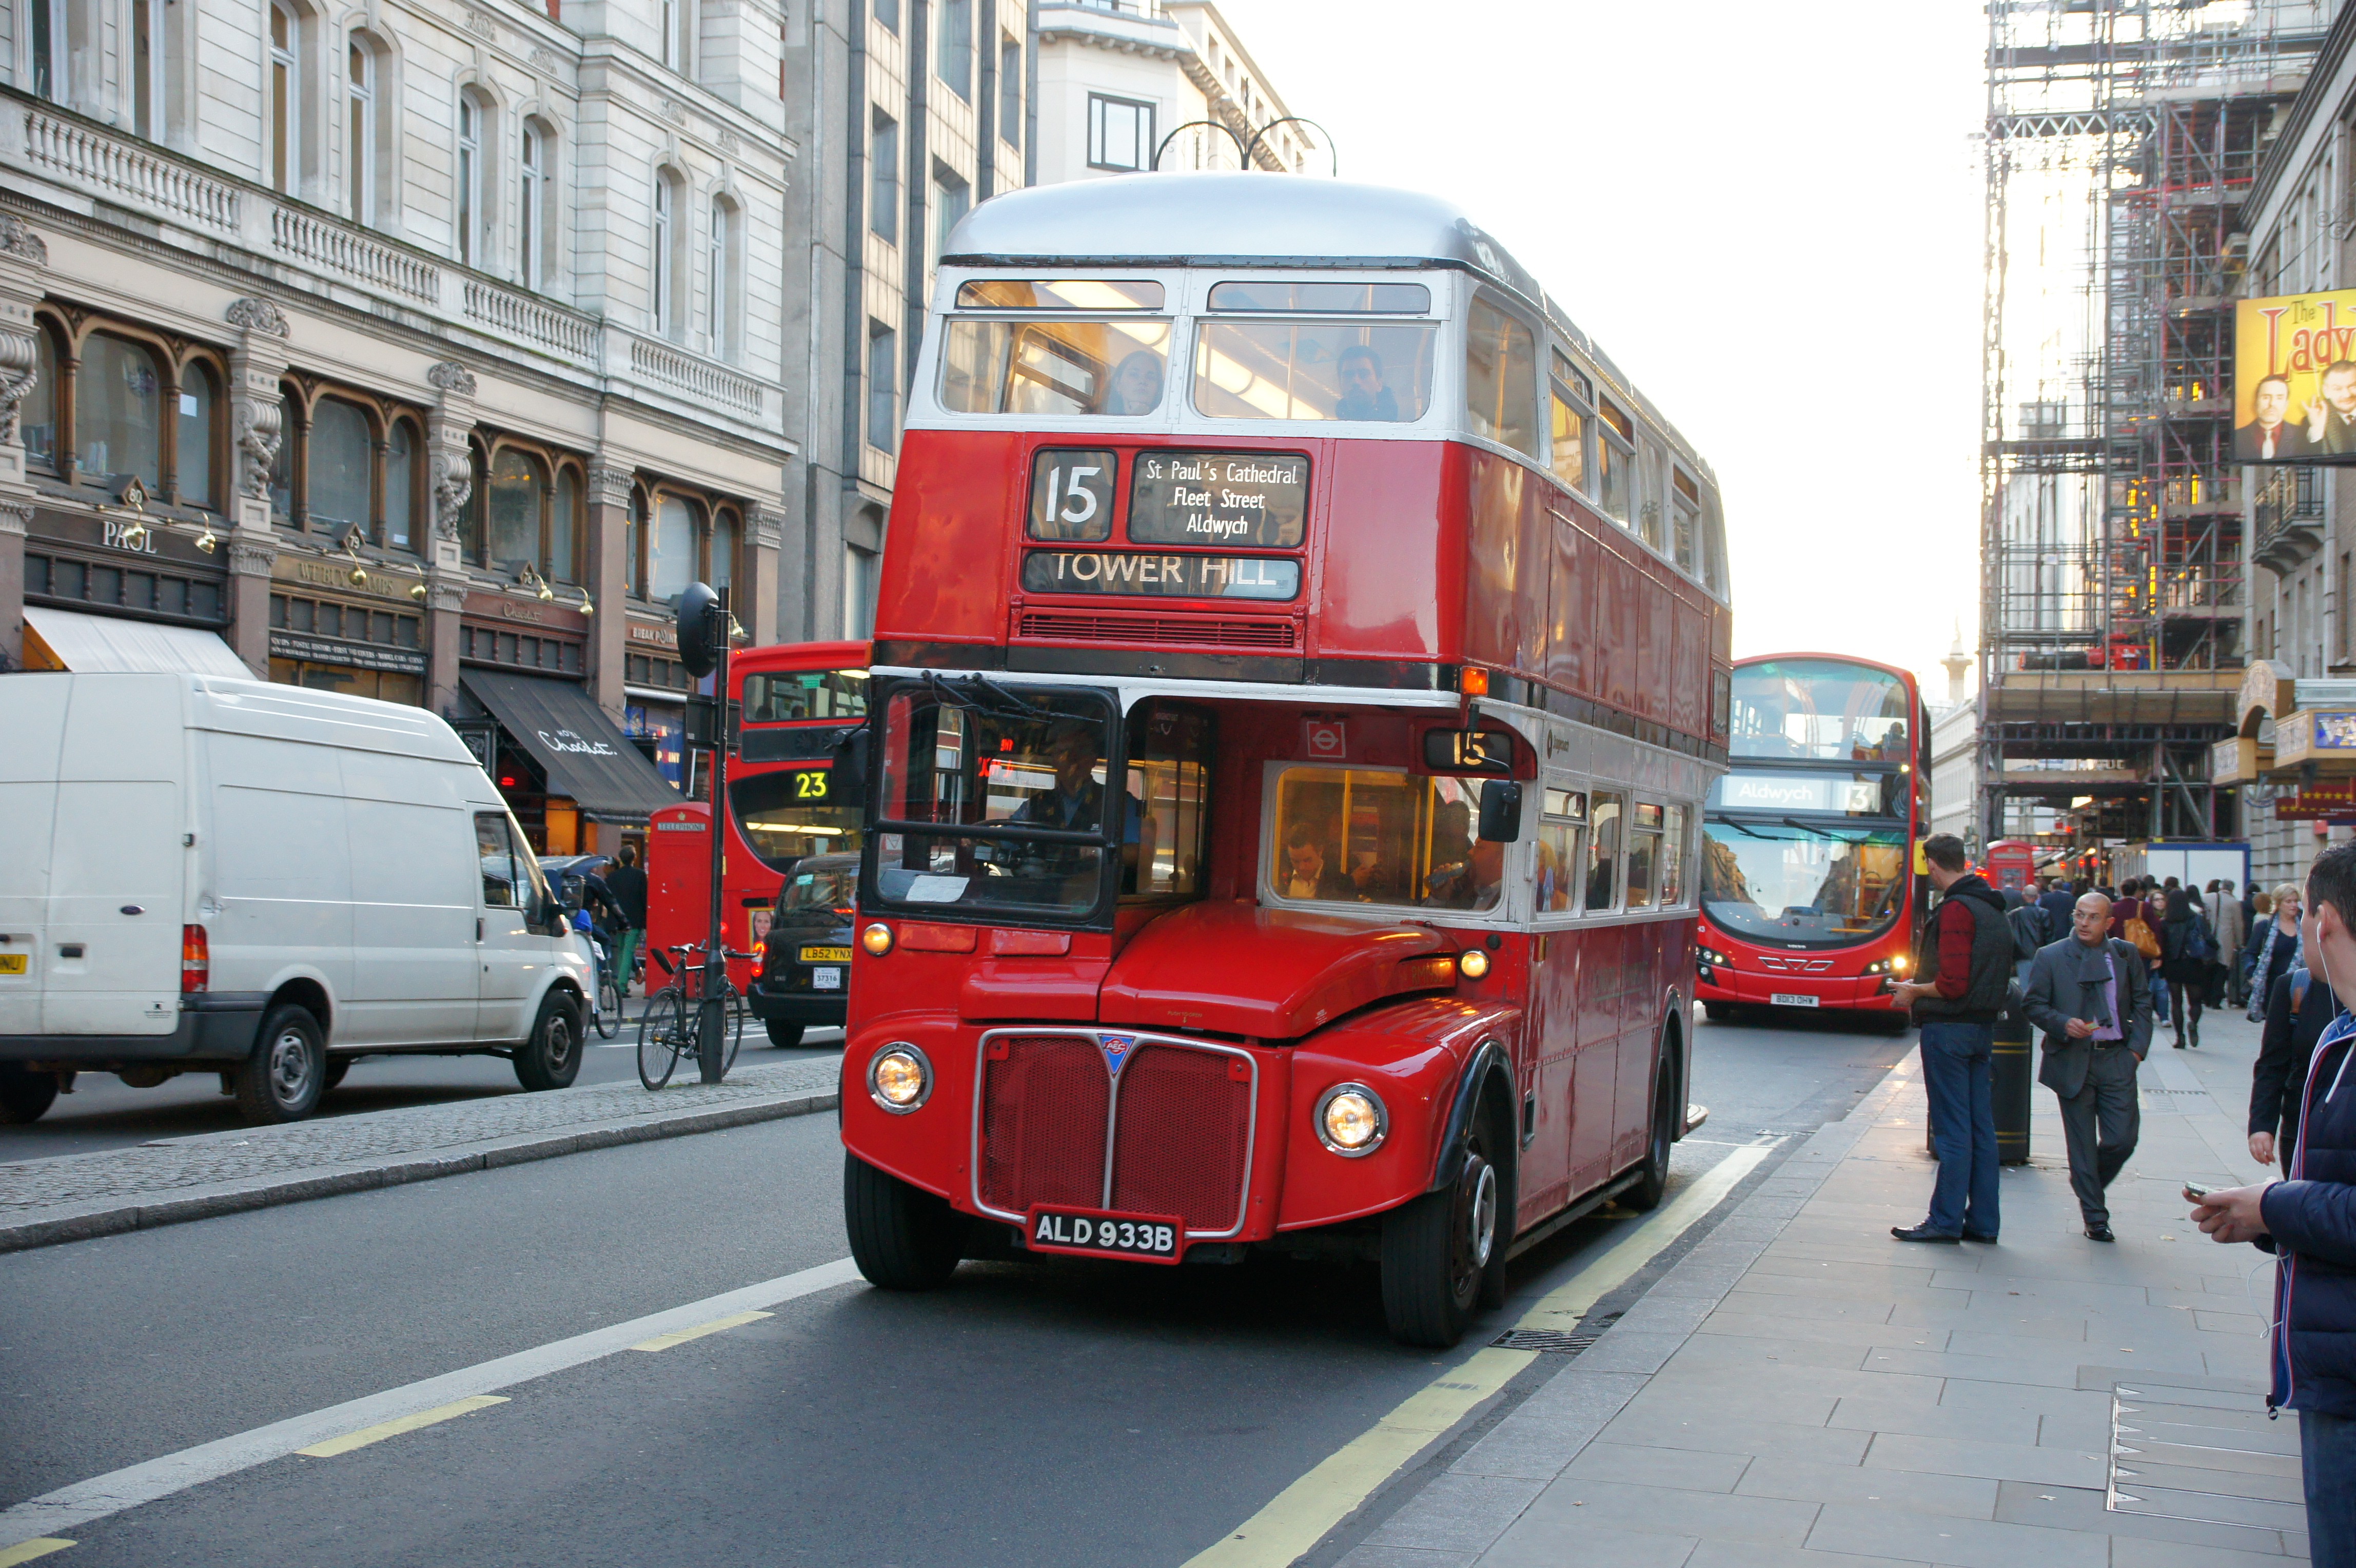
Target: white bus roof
(1261, 220)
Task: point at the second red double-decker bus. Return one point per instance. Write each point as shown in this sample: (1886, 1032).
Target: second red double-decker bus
(797, 700)
(1808, 876)
(1299, 667)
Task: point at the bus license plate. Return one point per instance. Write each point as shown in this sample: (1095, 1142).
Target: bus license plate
(826, 980)
(1147, 1237)
(826, 955)
(1792, 999)
(12, 962)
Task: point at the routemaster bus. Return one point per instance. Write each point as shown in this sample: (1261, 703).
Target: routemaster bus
(1301, 661)
(1809, 881)
(797, 700)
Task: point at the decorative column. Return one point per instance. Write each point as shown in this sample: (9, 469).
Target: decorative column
(450, 469)
(23, 258)
(257, 358)
(608, 502)
(763, 525)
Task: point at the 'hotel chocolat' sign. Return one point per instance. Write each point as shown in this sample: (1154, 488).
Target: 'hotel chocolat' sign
(1256, 499)
(1166, 576)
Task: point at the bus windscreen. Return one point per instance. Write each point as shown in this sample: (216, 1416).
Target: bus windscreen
(1824, 710)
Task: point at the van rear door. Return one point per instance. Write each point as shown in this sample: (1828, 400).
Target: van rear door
(111, 954)
(33, 717)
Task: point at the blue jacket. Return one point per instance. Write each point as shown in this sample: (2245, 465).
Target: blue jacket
(2311, 1218)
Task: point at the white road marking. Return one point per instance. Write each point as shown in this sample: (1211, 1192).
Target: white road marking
(54, 1512)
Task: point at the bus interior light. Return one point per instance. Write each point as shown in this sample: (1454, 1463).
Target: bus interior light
(876, 939)
(1473, 963)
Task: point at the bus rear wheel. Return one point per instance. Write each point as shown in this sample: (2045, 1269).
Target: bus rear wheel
(1437, 1250)
(902, 1237)
(1653, 1180)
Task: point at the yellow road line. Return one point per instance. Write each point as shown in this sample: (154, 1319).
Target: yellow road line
(26, 1550)
(681, 1335)
(1298, 1518)
(383, 1430)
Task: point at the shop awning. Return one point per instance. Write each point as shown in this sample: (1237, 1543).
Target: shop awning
(109, 644)
(575, 744)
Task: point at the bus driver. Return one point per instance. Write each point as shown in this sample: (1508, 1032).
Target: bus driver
(1075, 801)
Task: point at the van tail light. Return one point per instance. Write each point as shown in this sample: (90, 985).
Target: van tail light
(196, 961)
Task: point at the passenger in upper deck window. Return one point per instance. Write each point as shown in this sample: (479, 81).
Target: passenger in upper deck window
(1136, 385)
(1364, 395)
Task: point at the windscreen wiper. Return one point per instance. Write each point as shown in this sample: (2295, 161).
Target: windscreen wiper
(983, 695)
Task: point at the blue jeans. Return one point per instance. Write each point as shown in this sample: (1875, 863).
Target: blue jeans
(1958, 1062)
(2327, 1445)
(2158, 998)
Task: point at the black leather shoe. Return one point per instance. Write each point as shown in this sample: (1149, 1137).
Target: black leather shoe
(1986, 1235)
(1923, 1232)
(2099, 1233)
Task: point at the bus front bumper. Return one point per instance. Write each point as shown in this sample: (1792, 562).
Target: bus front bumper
(1866, 993)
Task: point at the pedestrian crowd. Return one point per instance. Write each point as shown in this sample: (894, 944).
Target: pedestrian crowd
(2094, 971)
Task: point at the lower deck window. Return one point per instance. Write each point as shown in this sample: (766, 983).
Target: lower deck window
(1362, 836)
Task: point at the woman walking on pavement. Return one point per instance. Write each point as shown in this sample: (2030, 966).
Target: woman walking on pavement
(2272, 949)
(2186, 945)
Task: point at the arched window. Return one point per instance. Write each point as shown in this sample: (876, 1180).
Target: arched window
(119, 411)
(197, 430)
(662, 281)
(565, 529)
(723, 550)
(670, 553)
(285, 98)
(721, 277)
(360, 129)
(400, 450)
(37, 414)
(473, 218)
(519, 503)
(340, 467)
(533, 238)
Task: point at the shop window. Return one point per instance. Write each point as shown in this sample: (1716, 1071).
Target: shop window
(565, 529)
(519, 497)
(670, 553)
(119, 412)
(192, 442)
(37, 414)
(400, 449)
(340, 463)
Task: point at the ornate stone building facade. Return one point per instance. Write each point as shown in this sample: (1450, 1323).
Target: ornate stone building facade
(395, 344)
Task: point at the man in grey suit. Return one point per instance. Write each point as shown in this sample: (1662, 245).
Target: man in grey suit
(2091, 996)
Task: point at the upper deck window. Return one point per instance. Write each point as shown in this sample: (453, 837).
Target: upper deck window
(792, 694)
(1314, 370)
(1501, 369)
(1059, 294)
(1007, 365)
(1324, 299)
(1615, 454)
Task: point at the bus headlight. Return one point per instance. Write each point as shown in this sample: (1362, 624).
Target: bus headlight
(899, 1078)
(1471, 964)
(1350, 1120)
(876, 939)
(1712, 957)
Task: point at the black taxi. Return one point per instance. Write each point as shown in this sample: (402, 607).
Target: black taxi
(806, 956)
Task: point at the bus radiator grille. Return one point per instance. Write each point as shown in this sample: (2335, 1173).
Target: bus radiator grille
(1043, 1124)
(1181, 1136)
(1199, 632)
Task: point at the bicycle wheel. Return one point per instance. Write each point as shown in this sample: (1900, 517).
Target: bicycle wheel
(661, 1029)
(607, 1017)
(737, 1015)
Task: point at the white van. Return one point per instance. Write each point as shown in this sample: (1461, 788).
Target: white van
(206, 875)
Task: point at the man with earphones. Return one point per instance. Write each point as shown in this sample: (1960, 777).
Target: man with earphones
(2308, 1222)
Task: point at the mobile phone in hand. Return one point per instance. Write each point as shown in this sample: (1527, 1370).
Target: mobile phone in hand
(2196, 1191)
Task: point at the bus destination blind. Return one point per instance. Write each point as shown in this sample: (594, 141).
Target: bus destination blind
(1256, 499)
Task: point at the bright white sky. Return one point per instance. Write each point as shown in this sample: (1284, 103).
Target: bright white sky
(1768, 215)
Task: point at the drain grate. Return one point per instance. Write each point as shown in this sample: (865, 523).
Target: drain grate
(1555, 1341)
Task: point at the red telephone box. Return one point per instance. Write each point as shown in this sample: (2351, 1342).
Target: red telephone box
(2010, 864)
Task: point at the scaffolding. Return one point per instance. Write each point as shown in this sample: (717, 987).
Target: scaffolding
(2121, 137)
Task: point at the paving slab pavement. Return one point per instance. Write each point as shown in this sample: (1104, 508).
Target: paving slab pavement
(170, 1180)
(1803, 1392)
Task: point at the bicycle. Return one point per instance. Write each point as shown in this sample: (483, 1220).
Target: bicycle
(682, 1019)
(605, 1007)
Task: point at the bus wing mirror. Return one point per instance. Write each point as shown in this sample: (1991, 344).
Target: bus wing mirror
(846, 781)
(1501, 811)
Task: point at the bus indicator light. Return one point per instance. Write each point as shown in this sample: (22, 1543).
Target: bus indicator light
(1472, 680)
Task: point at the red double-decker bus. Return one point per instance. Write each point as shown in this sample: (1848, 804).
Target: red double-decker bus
(1300, 661)
(1810, 879)
(797, 700)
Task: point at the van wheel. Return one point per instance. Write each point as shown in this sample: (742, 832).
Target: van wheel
(282, 1079)
(1437, 1249)
(1654, 1181)
(550, 1056)
(783, 1035)
(902, 1237)
(24, 1096)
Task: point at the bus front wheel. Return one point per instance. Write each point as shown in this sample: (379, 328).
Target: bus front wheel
(1437, 1249)
(902, 1237)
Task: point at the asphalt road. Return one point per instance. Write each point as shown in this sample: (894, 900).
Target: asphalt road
(1055, 1413)
(104, 1112)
